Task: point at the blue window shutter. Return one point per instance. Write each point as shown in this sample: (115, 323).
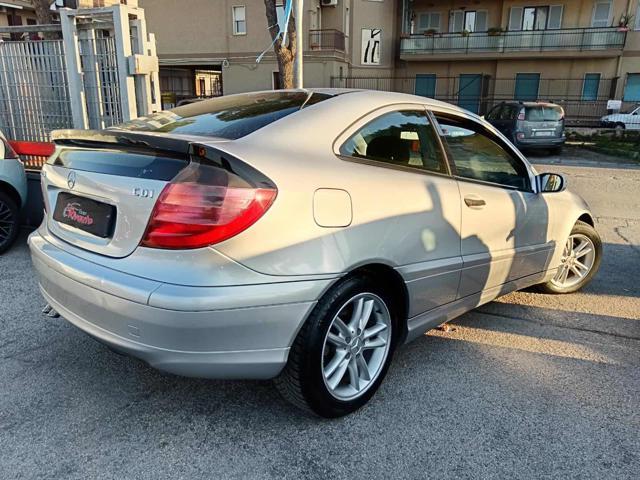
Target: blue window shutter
(527, 85)
(632, 88)
(590, 86)
(426, 85)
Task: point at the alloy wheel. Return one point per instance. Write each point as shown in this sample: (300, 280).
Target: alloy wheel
(577, 261)
(356, 346)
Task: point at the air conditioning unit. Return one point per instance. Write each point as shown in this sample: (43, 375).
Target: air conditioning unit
(329, 3)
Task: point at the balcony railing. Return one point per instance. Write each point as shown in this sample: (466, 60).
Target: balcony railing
(328, 39)
(581, 39)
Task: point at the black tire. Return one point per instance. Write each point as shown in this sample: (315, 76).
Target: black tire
(588, 231)
(620, 126)
(302, 382)
(9, 221)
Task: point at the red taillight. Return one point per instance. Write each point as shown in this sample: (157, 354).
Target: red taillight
(199, 208)
(37, 149)
(521, 115)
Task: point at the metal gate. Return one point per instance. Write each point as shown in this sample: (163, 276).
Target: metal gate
(34, 91)
(102, 71)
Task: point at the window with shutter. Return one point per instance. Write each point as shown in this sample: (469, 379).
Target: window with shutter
(515, 19)
(456, 21)
(481, 21)
(435, 21)
(429, 21)
(555, 17)
(638, 16)
(423, 21)
(590, 86)
(601, 14)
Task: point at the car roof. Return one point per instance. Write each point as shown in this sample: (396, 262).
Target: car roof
(382, 97)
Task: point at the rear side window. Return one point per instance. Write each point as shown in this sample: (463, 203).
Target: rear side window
(226, 117)
(543, 114)
(404, 138)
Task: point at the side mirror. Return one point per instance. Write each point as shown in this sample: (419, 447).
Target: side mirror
(550, 182)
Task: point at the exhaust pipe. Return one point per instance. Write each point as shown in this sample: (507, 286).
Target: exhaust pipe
(50, 312)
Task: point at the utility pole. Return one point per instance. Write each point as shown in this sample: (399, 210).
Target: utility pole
(297, 62)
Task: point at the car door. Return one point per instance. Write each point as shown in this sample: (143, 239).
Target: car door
(504, 224)
(406, 204)
(494, 117)
(632, 121)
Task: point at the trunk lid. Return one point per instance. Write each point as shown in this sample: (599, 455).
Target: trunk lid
(123, 172)
(543, 122)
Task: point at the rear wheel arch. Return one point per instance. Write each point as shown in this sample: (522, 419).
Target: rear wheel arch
(390, 280)
(11, 192)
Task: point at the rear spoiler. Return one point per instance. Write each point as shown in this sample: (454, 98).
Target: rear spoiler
(122, 137)
(159, 142)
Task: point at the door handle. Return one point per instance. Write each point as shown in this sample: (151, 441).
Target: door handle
(473, 201)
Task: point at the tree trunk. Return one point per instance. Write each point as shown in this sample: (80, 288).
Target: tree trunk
(44, 16)
(285, 53)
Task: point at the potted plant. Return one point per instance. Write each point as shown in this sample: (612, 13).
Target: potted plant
(430, 33)
(623, 23)
(495, 31)
(465, 33)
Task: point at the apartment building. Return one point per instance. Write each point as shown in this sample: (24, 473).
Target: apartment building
(579, 53)
(201, 42)
(16, 12)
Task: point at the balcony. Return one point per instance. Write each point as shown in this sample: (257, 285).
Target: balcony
(607, 41)
(327, 39)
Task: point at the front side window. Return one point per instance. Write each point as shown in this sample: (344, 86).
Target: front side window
(403, 138)
(478, 155)
(239, 21)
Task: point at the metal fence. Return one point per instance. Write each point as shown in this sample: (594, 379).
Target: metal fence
(328, 39)
(582, 106)
(34, 95)
(579, 39)
(99, 64)
(100, 72)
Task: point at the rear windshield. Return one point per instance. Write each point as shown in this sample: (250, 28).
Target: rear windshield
(543, 114)
(226, 117)
(124, 163)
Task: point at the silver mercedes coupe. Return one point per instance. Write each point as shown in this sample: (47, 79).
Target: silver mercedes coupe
(300, 235)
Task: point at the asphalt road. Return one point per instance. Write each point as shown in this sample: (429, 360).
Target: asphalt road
(528, 386)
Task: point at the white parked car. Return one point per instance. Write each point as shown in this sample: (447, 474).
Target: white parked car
(627, 120)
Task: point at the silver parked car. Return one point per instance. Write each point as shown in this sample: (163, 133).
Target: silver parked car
(530, 125)
(13, 194)
(301, 235)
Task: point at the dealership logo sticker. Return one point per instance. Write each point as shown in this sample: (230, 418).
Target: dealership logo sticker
(71, 180)
(73, 212)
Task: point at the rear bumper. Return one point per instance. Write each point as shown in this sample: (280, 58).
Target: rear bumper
(532, 143)
(177, 329)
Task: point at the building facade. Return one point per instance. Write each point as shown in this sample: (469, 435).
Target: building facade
(16, 13)
(475, 53)
(579, 53)
(225, 37)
